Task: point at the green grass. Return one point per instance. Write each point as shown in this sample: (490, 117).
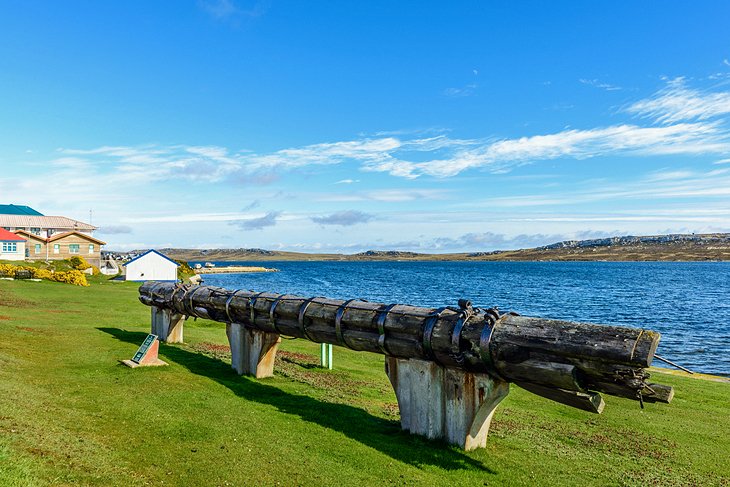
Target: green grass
(70, 414)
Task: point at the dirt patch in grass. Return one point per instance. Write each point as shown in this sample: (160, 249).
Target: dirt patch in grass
(336, 386)
(27, 328)
(4, 318)
(391, 410)
(11, 301)
(214, 350)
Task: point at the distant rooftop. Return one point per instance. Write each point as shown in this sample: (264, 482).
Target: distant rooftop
(18, 210)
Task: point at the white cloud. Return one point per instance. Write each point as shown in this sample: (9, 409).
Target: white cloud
(343, 218)
(268, 220)
(655, 186)
(466, 90)
(599, 84)
(684, 121)
(228, 9)
(385, 195)
(676, 102)
(683, 138)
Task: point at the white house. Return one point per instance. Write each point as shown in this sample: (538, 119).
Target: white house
(151, 266)
(12, 247)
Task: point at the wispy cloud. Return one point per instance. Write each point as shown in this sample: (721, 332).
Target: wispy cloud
(227, 9)
(681, 121)
(654, 186)
(252, 205)
(466, 90)
(343, 218)
(114, 229)
(385, 195)
(268, 220)
(347, 181)
(599, 84)
(677, 102)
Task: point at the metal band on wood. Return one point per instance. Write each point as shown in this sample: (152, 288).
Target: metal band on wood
(190, 300)
(381, 327)
(228, 305)
(456, 334)
(302, 310)
(433, 317)
(174, 292)
(272, 313)
(491, 320)
(252, 304)
(338, 322)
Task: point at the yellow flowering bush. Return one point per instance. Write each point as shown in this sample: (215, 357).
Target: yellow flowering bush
(78, 262)
(74, 277)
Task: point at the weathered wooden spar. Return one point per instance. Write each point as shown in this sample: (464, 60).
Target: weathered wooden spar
(564, 361)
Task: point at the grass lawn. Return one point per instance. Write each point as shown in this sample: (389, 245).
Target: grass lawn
(70, 414)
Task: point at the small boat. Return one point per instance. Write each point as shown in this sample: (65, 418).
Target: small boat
(209, 265)
(198, 266)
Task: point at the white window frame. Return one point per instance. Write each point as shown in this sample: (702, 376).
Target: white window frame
(56, 248)
(10, 247)
(74, 249)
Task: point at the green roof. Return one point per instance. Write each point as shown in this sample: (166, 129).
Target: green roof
(18, 210)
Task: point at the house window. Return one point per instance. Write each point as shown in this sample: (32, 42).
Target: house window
(91, 248)
(56, 248)
(35, 231)
(37, 248)
(10, 247)
(73, 248)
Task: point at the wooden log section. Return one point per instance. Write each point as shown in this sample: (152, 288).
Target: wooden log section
(573, 361)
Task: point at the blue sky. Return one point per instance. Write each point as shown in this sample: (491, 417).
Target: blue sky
(346, 126)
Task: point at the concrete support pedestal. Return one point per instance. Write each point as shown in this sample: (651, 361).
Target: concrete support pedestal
(439, 402)
(168, 326)
(252, 351)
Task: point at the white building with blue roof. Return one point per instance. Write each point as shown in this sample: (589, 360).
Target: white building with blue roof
(151, 266)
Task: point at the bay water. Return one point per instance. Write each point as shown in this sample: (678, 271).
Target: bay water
(687, 302)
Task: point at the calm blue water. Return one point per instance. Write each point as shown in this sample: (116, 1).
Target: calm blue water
(688, 302)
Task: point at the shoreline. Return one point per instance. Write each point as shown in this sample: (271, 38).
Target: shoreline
(233, 270)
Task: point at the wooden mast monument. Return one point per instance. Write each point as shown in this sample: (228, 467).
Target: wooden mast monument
(450, 367)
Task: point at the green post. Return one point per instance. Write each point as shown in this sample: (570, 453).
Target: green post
(325, 355)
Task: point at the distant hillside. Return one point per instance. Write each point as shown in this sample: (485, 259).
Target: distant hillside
(693, 247)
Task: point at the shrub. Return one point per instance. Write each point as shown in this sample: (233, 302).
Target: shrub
(75, 277)
(79, 263)
(184, 271)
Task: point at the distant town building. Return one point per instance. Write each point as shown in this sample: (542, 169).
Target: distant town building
(151, 266)
(12, 247)
(50, 237)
